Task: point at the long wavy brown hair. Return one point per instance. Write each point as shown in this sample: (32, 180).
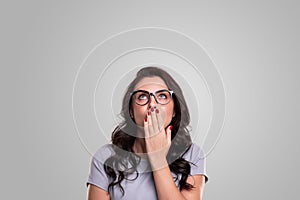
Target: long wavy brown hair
(118, 166)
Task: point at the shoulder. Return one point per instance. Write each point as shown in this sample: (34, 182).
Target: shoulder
(194, 153)
(104, 152)
(108, 150)
(196, 156)
(97, 175)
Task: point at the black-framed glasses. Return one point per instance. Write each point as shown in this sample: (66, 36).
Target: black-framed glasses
(142, 97)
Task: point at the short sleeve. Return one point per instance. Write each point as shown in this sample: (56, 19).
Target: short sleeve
(197, 161)
(97, 175)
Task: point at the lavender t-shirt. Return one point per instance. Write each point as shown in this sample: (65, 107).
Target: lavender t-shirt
(143, 187)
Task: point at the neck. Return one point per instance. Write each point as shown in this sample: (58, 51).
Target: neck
(139, 147)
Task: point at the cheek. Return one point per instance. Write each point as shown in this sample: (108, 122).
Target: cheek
(169, 113)
(139, 113)
(170, 116)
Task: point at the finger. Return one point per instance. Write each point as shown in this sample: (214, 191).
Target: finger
(154, 121)
(150, 124)
(160, 119)
(146, 127)
(169, 134)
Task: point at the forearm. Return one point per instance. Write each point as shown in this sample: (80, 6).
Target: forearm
(165, 186)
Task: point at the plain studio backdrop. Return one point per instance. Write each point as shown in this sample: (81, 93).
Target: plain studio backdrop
(254, 44)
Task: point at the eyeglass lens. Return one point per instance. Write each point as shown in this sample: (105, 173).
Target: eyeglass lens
(162, 97)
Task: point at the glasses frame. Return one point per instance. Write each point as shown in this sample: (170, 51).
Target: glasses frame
(153, 94)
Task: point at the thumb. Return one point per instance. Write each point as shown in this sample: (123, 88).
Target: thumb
(169, 131)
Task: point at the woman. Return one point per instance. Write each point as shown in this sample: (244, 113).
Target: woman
(151, 155)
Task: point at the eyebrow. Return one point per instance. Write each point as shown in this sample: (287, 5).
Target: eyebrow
(151, 92)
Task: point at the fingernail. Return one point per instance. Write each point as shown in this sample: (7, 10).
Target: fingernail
(171, 127)
(148, 112)
(152, 109)
(146, 119)
(157, 111)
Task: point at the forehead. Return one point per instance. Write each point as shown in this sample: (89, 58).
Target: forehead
(151, 84)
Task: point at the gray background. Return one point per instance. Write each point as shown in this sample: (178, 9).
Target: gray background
(254, 44)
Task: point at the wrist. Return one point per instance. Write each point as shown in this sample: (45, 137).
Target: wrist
(158, 161)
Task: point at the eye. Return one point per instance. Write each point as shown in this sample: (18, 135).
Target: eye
(142, 97)
(162, 96)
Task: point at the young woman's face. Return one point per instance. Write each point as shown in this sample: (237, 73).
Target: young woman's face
(151, 84)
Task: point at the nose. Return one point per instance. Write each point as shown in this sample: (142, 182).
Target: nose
(152, 102)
